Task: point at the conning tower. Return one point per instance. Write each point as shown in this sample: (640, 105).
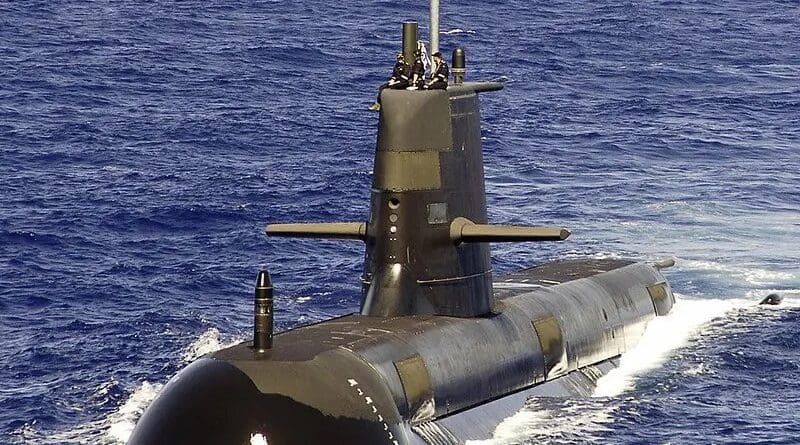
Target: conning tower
(427, 234)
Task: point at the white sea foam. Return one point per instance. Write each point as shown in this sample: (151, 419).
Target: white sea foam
(119, 425)
(662, 336)
(458, 31)
(550, 421)
(122, 422)
(699, 369)
(116, 428)
(751, 275)
(208, 342)
(761, 276)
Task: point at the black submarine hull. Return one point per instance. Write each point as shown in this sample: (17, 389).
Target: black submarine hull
(421, 379)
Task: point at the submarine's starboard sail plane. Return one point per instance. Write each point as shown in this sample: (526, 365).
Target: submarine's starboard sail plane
(439, 353)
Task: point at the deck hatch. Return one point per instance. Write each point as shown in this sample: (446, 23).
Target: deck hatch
(417, 387)
(661, 296)
(548, 331)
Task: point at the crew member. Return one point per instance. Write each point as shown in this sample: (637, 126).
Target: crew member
(398, 81)
(439, 73)
(417, 72)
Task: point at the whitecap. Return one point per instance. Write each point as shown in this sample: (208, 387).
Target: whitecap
(208, 342)
(752, 275)
(456, 31)
(114, 429)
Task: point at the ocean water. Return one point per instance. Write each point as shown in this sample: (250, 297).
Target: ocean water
(143, 146)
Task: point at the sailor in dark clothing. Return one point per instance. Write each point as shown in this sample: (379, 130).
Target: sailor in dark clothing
(417, 72)
(398, 81)
(440, 72)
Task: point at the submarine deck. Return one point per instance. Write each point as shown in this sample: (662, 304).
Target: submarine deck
(507, 344)
(305, 342)
(551, 274)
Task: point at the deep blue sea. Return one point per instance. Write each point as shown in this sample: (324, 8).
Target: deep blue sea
(144, 145)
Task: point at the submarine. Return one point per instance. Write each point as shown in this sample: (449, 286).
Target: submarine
(442, 349)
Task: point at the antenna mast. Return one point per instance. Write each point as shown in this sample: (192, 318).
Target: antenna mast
(434, 31)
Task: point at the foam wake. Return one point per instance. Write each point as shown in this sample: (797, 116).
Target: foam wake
(120, 424)
(663, 336)
(116, 427)
(557, 420)
(553, 420)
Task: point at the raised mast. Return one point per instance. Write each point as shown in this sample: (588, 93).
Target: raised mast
(434, 30)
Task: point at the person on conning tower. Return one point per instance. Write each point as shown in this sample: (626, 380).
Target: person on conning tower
(440, 72)
(417, 72)
(398, 81)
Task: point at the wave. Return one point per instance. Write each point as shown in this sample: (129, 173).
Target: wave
(122, 422)
(208, 342)
(661, 338)
(119, 425)
(752, 275)
(116, 427)
(563, 420)
(553, 420)
(456, 31)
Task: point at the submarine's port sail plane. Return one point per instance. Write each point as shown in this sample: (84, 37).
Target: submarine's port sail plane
(439, 353)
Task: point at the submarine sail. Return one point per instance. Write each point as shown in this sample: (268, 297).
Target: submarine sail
(441, 350)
